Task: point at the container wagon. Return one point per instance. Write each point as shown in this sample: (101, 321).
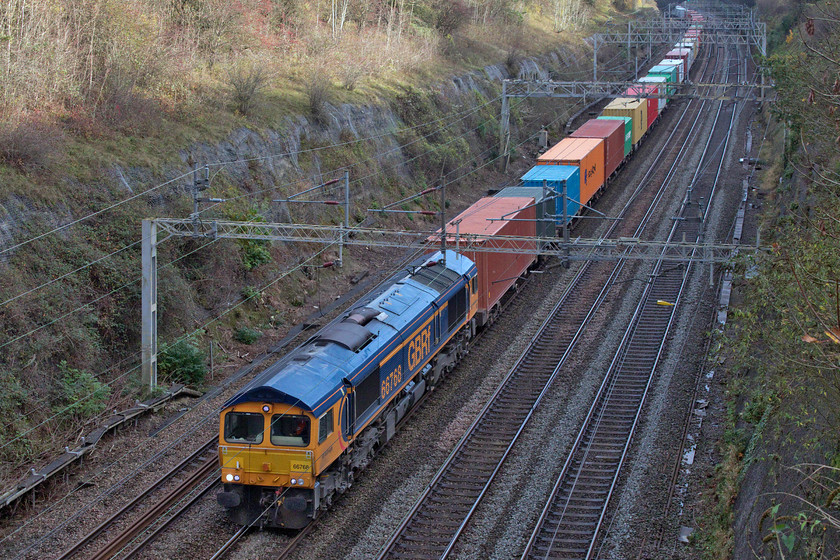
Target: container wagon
(545, 203)
(681, 54)
(612, 133)
(627, 122)
(689, 43)
(664, 88)
(695, 34)
(641, 93)
(485, 224)
(560, 179)
(677, 63)
(672, 72)
(587, 154)
(635, 109)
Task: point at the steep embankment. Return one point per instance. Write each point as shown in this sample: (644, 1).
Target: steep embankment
(775, 485)
(83, 167)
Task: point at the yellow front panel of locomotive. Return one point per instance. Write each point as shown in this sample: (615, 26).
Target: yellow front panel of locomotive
(266, 466)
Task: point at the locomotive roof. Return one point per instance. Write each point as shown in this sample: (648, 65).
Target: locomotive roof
(312, 376)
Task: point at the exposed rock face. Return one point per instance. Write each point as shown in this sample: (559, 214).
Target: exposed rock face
(269, 159)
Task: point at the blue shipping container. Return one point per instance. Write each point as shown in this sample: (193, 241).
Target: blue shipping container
(555, 176)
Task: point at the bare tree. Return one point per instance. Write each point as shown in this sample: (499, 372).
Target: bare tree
(338, 15)
(568, 14)
(246, 84)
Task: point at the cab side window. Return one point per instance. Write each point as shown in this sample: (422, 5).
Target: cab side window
(325, 426)
(457, 308)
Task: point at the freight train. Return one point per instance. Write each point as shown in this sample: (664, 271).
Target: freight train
(295, 437)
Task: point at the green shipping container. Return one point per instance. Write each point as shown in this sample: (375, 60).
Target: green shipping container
(670, 72)
(628, 132)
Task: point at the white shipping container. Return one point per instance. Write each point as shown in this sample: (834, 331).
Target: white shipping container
(662, 83)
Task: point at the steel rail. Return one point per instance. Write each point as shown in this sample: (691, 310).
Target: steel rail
(123, 539)
(175, 512)
(605, 393)
(294, 543)
(167, 478)
(606, 288)
(235, 538)
(390, 546)
(688, 416)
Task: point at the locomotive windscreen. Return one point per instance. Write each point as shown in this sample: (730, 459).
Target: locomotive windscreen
(244, 427)
(290, 429)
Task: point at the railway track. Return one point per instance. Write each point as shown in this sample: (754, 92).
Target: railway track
(193, 472)
(434, 524)
(691, 422)
(573, 517)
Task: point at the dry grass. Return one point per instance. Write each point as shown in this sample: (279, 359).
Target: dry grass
(113, 60)
(773, 7)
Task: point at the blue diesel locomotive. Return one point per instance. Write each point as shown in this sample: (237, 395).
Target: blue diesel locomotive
(294, 437)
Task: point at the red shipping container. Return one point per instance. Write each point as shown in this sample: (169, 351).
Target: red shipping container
(694, 34)
(497, 271)
(613, 134)
(684, 54)
(652, 102)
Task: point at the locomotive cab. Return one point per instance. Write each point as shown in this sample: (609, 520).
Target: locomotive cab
(268, 454)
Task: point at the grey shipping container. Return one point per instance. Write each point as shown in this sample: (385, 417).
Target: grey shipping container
(544, 206)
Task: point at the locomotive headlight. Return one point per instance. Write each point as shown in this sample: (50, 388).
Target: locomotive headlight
(300, 481)
(266, 408)
(293, 481)
(236, 478)
(229, 478)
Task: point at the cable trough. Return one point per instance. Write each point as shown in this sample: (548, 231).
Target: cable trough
(60, 464)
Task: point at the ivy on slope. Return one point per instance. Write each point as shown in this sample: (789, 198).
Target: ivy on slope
(784, 385)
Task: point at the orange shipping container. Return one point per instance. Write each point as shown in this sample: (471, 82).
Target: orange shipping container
(588, 154)
(486, 224)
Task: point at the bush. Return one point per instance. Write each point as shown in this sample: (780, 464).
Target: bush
(119, 104)
(246, 86)
(449, 17)
(29, 145)
(250, 292)
(182, 361)
(254, 254)
(246, 335)
(82, 392)
(317, 92)
(13, 406)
